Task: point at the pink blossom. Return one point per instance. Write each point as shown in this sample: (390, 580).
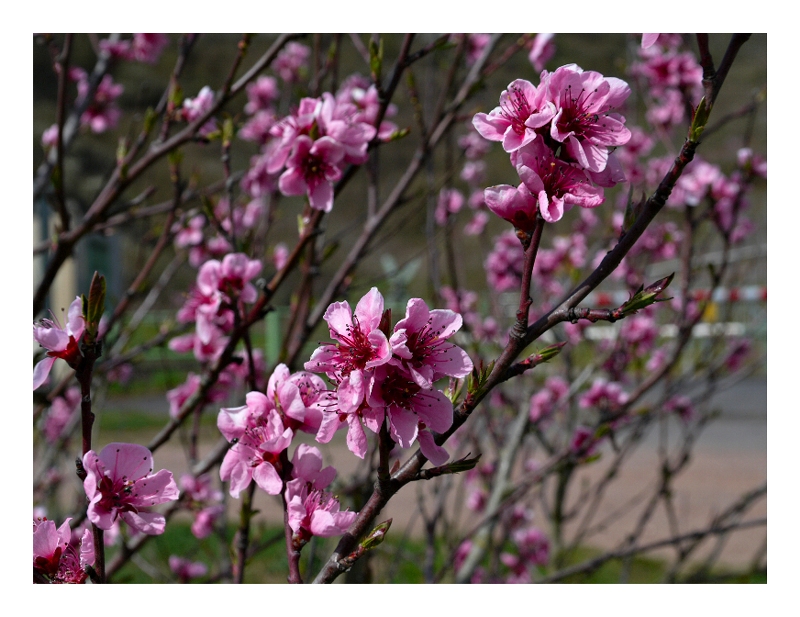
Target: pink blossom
(50, 137)
(477, 500)
(474, 147)
(231, 278)
(584, 121)
(280, 255)
(461, 301)
(238, 220)
(517, 205)
(198, 489)
(60, 342)
(260, 438)
(667, 69)
(121, 373)
(291, 61)
(364, 95)
(473, 172)
(55, 558)
(657, 360)
(258, 127)
(693, 185)
(295, 396)
(420, 345)
(185, 569)
(61, 411)
(639, 330)
(205, 519)
(681, 406)
(261, 94)
(605, 395)
(503, 265)
(120, 483)
(533, 550)
(522, 110)
(360, 344)
(102, 113)
(475, 44)
(307, 466)
(450, 202)
(342, 122)
(542, 50)
(189, 232)
(476, 225)
(259, 181)
(583, 442)
(410, 408)
(196, 495)
(197, 107)
(312, 168)
(745, 158)
(301, 121)
(649, 39)
(340, 410)
(738, 352)
(203, 351)
(667, 110)
(142, 48)
(148, 47)
(556, 185)
(639, 146)
(312, 512)
(546, 400)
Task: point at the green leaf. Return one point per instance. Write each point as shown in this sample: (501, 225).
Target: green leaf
(645, 297)
(376, 536)
(376, 58)
(699, 120)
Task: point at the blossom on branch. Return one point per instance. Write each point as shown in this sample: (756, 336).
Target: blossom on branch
(55, 558)
(258, 436)
(60, 342)
(312, 512)
(120, 483)
(523, 109)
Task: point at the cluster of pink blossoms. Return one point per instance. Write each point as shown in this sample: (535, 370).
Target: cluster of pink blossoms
(381, 375)
(531, 547)
(672, 77)
(262, 431)
(308, 150)
(143, 47)
(203, 501)
(265, 426)
(102, 112)
(559, 137)
(222, 287)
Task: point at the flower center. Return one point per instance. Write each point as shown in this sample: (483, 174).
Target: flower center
(516, 109)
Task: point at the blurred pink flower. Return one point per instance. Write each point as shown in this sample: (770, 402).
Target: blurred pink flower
(542, 50)
(185, 569)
